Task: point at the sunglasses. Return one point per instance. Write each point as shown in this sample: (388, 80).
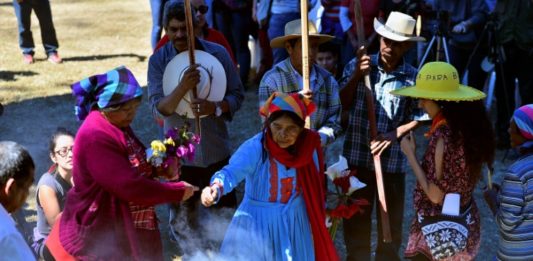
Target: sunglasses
(202, 9)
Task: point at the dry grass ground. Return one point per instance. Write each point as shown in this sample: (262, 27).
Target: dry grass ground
(95, 36)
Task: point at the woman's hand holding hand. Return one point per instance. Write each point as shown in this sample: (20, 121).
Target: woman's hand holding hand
(408, 144)
(189, 191)
(209, 194)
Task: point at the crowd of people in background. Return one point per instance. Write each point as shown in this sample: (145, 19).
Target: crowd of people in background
(97, 200)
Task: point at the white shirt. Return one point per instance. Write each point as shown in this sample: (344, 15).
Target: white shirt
(12, 245)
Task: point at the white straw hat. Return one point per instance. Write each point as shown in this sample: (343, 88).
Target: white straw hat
(212, 85)
(399, 27)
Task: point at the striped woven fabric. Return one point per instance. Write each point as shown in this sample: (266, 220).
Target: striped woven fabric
(515, 216)
(105, 90)
(292, 102)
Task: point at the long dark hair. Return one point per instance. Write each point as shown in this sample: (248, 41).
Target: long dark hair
(60, 131)
(470, 126)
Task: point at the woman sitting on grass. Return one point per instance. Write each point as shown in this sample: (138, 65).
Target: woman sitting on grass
(52, 189)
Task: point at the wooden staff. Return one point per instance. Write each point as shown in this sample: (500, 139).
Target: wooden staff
(489, 177)
(387, 238)
(305, 52)
(191, 48)
(418, 25)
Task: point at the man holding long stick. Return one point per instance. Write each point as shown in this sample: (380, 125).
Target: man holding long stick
(214, 150)
(287, 77)
(394, 117)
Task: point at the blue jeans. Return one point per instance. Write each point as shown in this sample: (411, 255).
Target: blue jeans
(276, 27)
(157, 20)
(235, 25)
(44, 14)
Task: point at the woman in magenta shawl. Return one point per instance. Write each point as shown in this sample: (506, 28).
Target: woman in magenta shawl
(109, 214)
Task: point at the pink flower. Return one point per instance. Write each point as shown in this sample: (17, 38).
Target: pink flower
(181, 151)
(190, 153)
(195, 139)
(179, 142)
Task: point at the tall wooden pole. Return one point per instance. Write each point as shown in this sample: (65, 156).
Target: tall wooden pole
(191, 48)
(385, 224)
(305, 52)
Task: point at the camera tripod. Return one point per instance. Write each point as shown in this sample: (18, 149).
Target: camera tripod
(495, 56)
(440, 39)
(494, 61)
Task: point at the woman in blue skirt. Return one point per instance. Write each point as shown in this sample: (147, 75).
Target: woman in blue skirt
(282, 215)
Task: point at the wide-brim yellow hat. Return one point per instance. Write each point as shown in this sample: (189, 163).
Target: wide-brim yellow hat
(440, 81)
(293, 30)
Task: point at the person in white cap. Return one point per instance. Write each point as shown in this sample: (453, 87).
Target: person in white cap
(286, 77)
(395, 116)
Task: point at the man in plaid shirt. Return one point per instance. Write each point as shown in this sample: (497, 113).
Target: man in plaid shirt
(395, 117)
(286, 76)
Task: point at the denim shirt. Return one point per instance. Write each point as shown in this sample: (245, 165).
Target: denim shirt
(214, 143)
(391, 112)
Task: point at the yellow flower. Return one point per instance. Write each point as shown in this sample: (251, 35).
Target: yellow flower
(157, 146)
(170, 141)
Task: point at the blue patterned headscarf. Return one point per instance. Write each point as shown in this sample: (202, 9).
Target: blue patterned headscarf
(105, 90)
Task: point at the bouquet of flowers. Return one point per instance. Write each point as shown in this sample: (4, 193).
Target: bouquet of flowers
(344, 206)
(178, 142)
